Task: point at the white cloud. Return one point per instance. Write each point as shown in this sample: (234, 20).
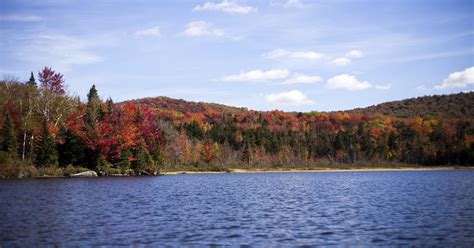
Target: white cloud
(202, 28)
(343, 61)
(347, 82)
(282, 53)
(459, 79)
(59, 51)
(293, 4)
(354, 54)
(21, 18)
(149, 32)
(288, 98)
(383, 87)
(421, 87)
(258, 75)
(340, 61)
(226, 6)
(297, 78)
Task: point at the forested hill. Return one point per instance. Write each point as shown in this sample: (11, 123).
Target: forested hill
(454, 106)
(457, 106)
(180, 105)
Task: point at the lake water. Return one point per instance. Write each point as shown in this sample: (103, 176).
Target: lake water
(344, 208)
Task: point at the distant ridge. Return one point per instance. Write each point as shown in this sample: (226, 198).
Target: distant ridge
(457, 106)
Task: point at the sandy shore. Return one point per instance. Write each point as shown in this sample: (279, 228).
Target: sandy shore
(323, 170)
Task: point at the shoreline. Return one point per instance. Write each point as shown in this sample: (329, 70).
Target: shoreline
(262, 170)
(318, 170)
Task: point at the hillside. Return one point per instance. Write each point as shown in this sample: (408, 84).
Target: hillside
(455, 106)
(458, 106)
(180, 105)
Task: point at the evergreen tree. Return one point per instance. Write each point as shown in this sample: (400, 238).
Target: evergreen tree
(143, 160)
(93, 112)
(72, 150)
(193, 130)
(110, 106)
(247, 153)
(158, 156)
(9, 144)
(123, 162)
(32, 80)
(47, 154)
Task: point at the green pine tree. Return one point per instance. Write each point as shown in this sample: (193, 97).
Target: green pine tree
(72, 150)
(94, 111)
(158, 157)
(47, 154)
(110, 106)
(143, 160)
(123, 162)
(32, 80)
(9, 144)
(247, 153)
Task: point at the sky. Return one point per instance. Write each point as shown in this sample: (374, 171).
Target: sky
(291, 55)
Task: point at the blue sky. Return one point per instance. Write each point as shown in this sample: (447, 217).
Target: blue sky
(270, 54)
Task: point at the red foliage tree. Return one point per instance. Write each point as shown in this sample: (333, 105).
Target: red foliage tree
(51, 80)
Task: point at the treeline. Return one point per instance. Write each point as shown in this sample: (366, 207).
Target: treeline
(44, 126)
(456, 106)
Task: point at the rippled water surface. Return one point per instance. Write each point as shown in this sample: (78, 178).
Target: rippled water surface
(344, 208)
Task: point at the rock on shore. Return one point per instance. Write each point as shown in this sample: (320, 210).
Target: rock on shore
(85, 174)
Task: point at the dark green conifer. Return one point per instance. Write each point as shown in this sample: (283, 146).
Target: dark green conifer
(72, 150)
(47, 154)
(93, 112)
(9, 144)
(143, 160)
(32, 80)
(110, 106)
(247, 153)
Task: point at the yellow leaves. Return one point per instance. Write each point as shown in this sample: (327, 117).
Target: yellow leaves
(341, 117)
(469, 140)
(424, 126)
(206, 126)
(238, 137)
(417, 122)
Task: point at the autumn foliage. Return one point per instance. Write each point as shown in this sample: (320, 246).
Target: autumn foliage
(150, 134)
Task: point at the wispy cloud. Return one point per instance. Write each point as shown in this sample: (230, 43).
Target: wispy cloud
(258, 75)
(149, 32)
(347, 82)
(347, 59)
(340, 61)
(383, 86)
(458, 79)
(21, 18)
(288, 98)
(355, 54)
(59, 51)
(429, 56)
(293, 4)
(421, 87)
(282, 53)
(287, 3)
(297, 78)
(226, 6)
(202, 28)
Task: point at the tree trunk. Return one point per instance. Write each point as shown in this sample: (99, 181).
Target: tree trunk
(23, 146)
(32, 138)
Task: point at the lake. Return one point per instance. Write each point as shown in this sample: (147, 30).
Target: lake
(344, 208)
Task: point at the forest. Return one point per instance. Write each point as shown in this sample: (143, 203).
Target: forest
(44, 129)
